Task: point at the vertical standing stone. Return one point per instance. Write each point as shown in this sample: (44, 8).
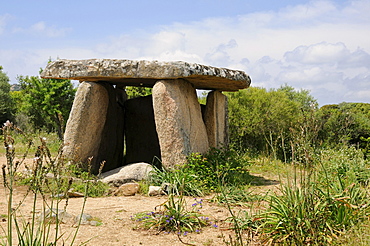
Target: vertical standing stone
(142, 144)
(86, 122)
(216, 120)
(178, 120)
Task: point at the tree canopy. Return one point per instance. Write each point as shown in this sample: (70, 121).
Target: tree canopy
(47, 102)
(6, 102)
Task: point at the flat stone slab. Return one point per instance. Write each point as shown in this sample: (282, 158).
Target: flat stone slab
(147, 73)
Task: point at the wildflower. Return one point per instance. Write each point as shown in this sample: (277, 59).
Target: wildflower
(10, 146)
(44, 138)
(215, 226)
(7, 123)
(185, 233)
(197, 230)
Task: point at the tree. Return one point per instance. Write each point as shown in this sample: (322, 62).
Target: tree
(134, 91)
(47, 102)
(270, 121)
(6, 102)
(346, 123)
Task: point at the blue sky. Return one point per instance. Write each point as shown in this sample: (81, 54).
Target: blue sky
(322, 46)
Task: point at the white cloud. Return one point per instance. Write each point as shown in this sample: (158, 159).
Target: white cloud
(42, 29)
(321, 53)
(321, 45)
(3, 21)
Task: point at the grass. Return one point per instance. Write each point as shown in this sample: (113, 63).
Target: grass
(327, 203)
(21, 230)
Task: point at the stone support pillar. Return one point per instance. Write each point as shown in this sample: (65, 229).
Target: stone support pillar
(216, 119)
(86, 122)
(179, 122)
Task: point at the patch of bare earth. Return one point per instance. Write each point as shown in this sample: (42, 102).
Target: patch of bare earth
(117, 227)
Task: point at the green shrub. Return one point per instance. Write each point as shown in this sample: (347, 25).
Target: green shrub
(218, 166)
(201, 175)
(346, 163)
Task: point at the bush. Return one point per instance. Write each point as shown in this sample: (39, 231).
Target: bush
(201, 175)
(321, 205)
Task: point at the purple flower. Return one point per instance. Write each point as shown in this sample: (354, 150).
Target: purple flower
(185, 233)
(215, 226)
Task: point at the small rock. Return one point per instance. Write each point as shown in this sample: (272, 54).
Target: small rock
(156, 191)
(72, 193)
(52, 215)
(69, 194)
(83, 219)
(128, 189)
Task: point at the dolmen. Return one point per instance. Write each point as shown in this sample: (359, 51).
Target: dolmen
(163, 128)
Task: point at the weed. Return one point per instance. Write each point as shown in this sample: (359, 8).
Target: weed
(311, 212)
(173, 216)
(237, 196)
(34, 231)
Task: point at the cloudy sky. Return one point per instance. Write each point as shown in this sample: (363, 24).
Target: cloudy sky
(322, 46)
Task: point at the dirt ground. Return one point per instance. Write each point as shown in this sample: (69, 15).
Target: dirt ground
(117, 227)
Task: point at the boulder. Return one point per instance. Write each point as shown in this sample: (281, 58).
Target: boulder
(178, 118)
(216, 119)
(126, 174)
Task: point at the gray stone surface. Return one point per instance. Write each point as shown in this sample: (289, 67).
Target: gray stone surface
(216, 119)
(142, 144)
(126, 174)
(86, 122)
(179, 122)
(146, 73)
(54, 216)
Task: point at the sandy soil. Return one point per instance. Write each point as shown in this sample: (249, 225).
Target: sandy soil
(117, 227)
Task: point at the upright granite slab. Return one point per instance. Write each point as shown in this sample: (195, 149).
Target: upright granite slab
(216, 119)
(85, 123)
(179, 122)
(96, 126)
